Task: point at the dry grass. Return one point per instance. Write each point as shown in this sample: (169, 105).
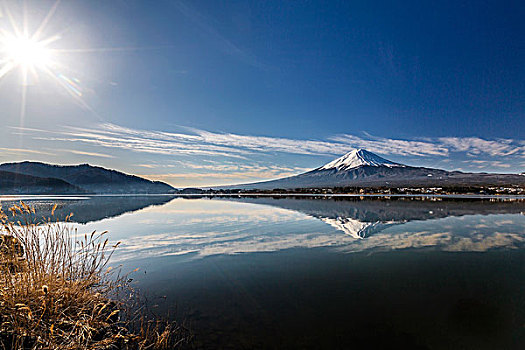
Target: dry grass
(57, 291)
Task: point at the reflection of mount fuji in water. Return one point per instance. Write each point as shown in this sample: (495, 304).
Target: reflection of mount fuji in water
(356, 217)
(88, 209)
(355, 228)
(360, 218)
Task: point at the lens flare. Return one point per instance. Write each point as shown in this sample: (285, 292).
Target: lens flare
(26, 52)
(32, 55)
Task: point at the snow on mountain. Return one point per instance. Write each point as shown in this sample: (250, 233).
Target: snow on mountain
(356, 228)
(357, 158)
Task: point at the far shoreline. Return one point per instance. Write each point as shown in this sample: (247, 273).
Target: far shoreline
(22, 197)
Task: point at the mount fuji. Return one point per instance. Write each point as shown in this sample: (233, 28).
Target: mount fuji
(361, 168)
(358, 158)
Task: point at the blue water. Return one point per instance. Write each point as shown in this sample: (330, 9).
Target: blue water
(284, 272)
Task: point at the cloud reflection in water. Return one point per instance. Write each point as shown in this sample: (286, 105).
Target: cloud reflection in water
(206, 227)
(152, 226)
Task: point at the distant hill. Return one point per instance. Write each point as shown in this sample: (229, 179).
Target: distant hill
(90, 208)
(91, 179)
(361, 168)
(13, 183)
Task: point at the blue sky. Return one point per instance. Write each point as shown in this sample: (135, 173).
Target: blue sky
(220, 92)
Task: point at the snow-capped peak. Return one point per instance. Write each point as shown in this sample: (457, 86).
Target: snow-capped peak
(357, 158)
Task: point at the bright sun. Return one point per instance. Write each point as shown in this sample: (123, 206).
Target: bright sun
(32, 54)
(26, 53)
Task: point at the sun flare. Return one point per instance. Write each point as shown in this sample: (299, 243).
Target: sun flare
(26, 53)
(40, 57)
(34, 54)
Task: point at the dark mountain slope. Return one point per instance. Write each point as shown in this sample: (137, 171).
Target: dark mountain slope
(14, 183)
(92, 179)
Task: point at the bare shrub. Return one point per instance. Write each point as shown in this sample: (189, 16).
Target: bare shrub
(58, 292)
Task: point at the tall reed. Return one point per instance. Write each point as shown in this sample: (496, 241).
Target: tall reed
(57, 290)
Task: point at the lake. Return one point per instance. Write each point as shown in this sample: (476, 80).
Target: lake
(321, 272)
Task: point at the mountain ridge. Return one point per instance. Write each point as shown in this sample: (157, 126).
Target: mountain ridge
(91, 179)
(361, 168)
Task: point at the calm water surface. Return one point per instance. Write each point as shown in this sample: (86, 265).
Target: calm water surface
(310, 273)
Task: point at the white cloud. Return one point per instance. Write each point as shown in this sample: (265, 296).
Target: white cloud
(393, 146)
(220, 174)
(201, 142)
(23, 151)
(91, 154)
(480, 164)
(274, 144)
(477, 146)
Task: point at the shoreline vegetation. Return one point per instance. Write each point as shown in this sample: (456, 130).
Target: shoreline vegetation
(57, 291)
(512, 190)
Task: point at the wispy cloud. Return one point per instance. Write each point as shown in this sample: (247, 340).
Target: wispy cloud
(443, 146)
(23, 151)
(477, 146)
(114, 136)
(231, 166)
(261, 173)
(392, 146)
(92, 154)
(222, 174)
(487, 163)
(253, 157)
(273, 144)
(202, 142)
